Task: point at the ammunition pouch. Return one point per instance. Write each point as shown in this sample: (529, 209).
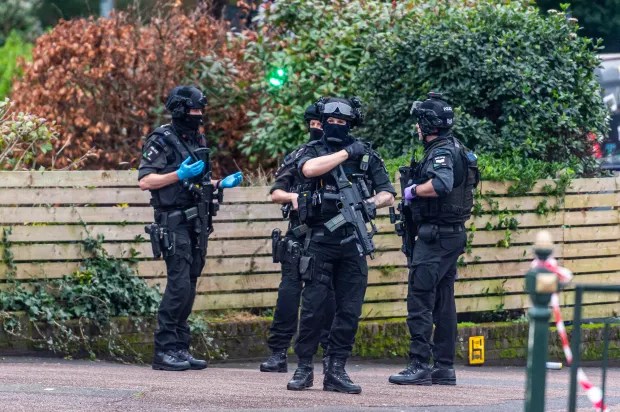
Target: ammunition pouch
(306, 267)
(309, 205)
(312, 271)
(299, 231)
(304, 205)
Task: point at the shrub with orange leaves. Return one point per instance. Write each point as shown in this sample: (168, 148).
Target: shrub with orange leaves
(104, 81)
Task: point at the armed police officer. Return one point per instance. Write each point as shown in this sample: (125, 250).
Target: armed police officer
(176, 168)
(336, 203)
(287, 251)
(439, 196)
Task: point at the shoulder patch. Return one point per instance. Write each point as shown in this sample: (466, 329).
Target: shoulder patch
(442, 160)
(152, 152)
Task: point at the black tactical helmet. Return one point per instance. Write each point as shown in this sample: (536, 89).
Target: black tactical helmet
(184, 98)
(311, 113)
(346, 109)
(433, 114)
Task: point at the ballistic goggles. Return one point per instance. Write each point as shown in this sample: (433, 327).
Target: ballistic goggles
(338, 108)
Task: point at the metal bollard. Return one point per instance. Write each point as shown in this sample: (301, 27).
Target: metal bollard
(540, 284)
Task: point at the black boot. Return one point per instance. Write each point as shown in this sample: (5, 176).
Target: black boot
(168, 361)
(416, 373)
(303, 377)
(337, 380)
(196, 364)
(443, 376)
(325, 363)
(276, 362)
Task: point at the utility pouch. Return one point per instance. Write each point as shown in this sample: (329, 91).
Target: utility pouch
(154, 230)
(167, 242)
(303, 202)
(306, 267)
(428, 232)
(276, 236)
(191, 213)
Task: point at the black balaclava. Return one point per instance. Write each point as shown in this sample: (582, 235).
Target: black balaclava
(188, 125)
(337, 135)
(312, 113)
(315, 134)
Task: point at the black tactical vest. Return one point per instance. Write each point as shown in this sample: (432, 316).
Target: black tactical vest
(455, 208)
(175, 196)
(321, 210)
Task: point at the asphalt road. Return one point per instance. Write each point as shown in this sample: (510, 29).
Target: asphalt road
(32, 384)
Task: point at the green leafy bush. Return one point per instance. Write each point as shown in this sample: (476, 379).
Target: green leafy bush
(226, 81)
(512, 168)
(13, 49)
(599, 19)
(319, 45)
(61, 310)
(103, 287)
(522, 84)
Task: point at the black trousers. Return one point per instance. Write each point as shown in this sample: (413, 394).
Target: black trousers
(183, 269)
(286, 314)
(339, 267)
(430, 298)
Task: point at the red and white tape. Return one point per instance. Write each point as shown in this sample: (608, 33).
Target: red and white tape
(594, 393)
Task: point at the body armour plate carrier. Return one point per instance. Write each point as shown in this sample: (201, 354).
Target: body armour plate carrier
(175, 196)
(314, 209)
(456, 207)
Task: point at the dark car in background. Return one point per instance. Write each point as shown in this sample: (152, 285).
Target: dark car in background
(608, 75)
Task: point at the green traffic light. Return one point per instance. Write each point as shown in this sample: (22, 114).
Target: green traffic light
(275, 82)
(277, 77)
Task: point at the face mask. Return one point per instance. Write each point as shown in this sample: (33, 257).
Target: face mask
(336, 133)
(315, 134)
(188, 125)
(193, 122)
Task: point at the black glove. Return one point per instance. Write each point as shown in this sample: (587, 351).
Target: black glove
(356, 149)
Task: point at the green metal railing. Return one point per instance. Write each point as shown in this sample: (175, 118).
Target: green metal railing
(576, 340)
(541, 283)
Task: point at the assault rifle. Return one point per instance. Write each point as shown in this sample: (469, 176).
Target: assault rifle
(353, 210)
(207, 194)
(403, 221)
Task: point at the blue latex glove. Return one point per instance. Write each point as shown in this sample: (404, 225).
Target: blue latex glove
(187, 170)
(231, 181)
